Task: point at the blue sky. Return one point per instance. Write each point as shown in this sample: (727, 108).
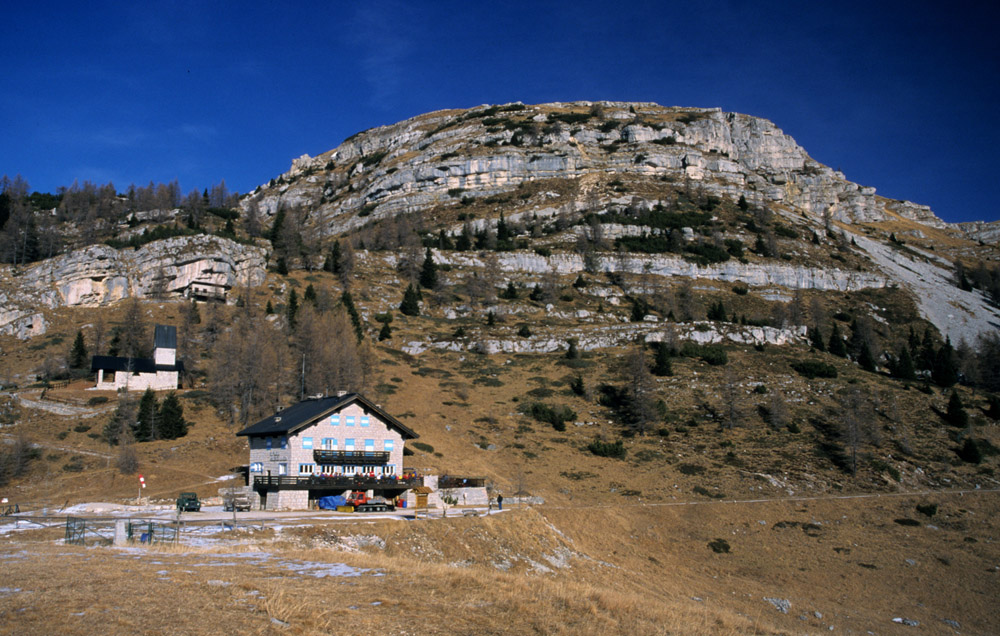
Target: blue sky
(899, 96)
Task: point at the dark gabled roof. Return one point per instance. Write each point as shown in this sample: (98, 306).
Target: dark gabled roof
(165, 337)
(137, 365)
(304, 413)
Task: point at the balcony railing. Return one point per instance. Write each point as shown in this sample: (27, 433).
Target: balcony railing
(350, 458)
(335, 482)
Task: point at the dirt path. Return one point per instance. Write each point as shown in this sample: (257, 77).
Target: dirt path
(9, 439)
(721, 502)
(59, 408)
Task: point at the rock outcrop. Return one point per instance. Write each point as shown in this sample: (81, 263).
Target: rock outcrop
(414, 164)
(614, 336)
(987, 232)
(192, 266)
(760, 275)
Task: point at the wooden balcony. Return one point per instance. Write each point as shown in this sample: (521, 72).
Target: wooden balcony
(334, 482)
(350, 458)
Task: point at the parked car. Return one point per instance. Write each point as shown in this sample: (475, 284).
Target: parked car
(235, 500)
(188, 502)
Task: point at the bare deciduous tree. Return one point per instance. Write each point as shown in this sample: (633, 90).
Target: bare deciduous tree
(732, 409)
(134, 336)
(640, 410)
(777, 410)
(330, 356)
(855, 425)
(248, 368)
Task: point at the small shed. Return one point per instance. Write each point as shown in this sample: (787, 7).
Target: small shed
(421, 493)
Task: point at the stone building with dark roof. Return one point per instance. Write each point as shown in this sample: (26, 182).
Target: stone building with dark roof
(160, 373)
(326, 446)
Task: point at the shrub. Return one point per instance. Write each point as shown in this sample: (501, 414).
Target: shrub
(719, 546)
(814, 369)
(427, 448)
(970, 452)
(577, 476)
(556, 416)
(94, 401)
(907, 522)
(691, 469)
(714, 355)
(614, 449)
(928, 510)
(705, 492)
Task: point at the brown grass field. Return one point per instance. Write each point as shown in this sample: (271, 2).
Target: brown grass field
(638, 569)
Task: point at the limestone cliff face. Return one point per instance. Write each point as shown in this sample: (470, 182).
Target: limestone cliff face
(987, 232)
(206, 266)
(790, 276)
(412, 165)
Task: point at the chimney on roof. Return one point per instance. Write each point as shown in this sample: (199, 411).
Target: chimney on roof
(341, 393)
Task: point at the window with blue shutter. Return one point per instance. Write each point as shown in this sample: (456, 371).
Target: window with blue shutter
(307, 443)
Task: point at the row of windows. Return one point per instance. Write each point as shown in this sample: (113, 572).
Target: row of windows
(330, 443)
(349, 420)
(323, 469)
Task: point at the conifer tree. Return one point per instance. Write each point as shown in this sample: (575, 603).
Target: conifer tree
(902, 366)
(332, 263)
(837, 345)
(661, 362)
(282, 266)
(464, 242)
(348, 301)
(275, 232)
(572, 353)
(956, 415)
(866, 360)
(510, 293)
(428, 271)
(944, 371)
(717, 311)
(310, 294)
(816, 339)
(503, 231)
(145, 421)
(411, 302)
(927, 352)
(171, 418)
(78, 355)
(293, 308)
(385, 332)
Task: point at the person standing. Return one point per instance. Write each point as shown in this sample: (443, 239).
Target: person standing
(499, 502)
